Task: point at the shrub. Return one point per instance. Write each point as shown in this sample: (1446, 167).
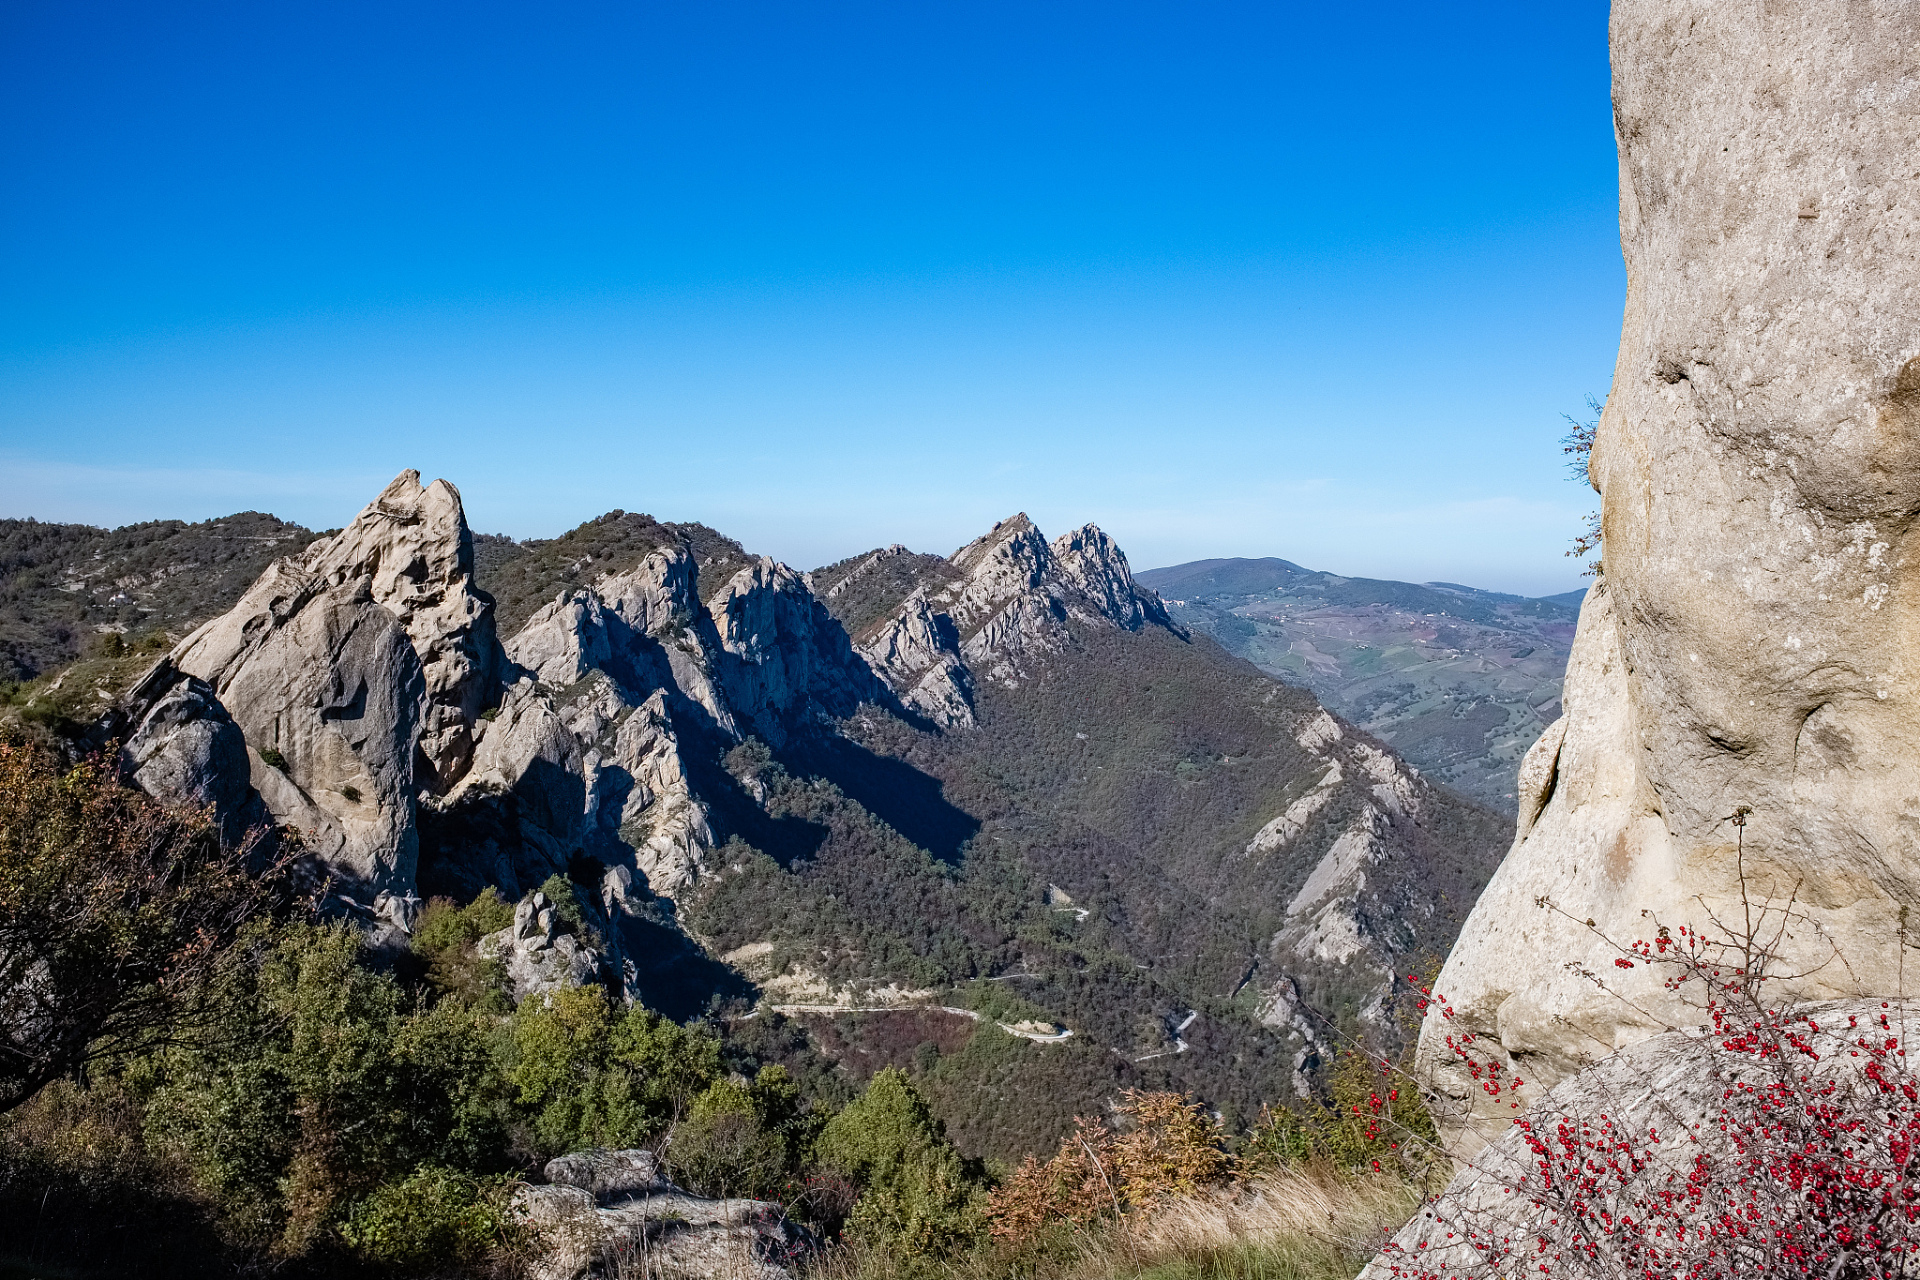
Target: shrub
(917, 1196)
(446, 938)
(724, 1147)
(1376, 1118)
(669, 1065)
(1805, 1161)
(114, 916)
(1171, 1148)
(273, 758)
(432, 1217)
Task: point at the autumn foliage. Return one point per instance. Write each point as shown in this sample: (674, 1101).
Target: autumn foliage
(1798, 1156)
(1168, 1147)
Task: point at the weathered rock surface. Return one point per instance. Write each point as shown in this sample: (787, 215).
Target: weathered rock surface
(325, 677)
(1006, 604)
(182, 748)
(1759, 461)
(539, 959)
(610, 1213)
(787, 660)
(413, 549)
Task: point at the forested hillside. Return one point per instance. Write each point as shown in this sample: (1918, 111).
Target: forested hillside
(1460, 681)
(64, 585)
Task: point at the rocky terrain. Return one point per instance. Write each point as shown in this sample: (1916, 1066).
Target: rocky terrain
(1746, 654)
(1004, 782)
(1459, 681)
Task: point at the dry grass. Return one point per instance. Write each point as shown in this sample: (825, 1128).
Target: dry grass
(1300, 1223)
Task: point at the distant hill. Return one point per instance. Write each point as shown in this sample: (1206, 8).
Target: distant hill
(64, 586)
(1459, 680)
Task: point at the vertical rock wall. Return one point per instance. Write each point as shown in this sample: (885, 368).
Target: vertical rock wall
(1753, 639)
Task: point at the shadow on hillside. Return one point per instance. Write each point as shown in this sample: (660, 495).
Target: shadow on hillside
(677, 978)
(911, 802)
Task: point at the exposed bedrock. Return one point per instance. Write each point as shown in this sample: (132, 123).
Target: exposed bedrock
(348, 679)
(1751, 643)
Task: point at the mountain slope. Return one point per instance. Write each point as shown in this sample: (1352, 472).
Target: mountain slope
(1019, 789)
(1460, 681)
(62, 585)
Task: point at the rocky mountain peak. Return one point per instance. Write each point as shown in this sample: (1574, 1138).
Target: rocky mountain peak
(355, 672)
(969, 556)
(1003, 604)
(413, 550)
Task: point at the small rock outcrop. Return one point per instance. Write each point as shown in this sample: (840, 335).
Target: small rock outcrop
(539, 959)
(1747, 646)
(612, 1213)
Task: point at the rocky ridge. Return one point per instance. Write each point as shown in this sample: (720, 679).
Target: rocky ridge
(678, 711)
(363, 684)
(1001, 602)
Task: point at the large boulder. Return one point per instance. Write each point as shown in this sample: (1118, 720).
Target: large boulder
(1759, 461)
(183, 749)
(611, 1213)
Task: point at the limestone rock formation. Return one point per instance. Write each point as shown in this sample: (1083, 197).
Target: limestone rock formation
(1759, 461)
(918, 654)
(1004, 604)
(585, 762)
(611, 1213)
(1368, 884)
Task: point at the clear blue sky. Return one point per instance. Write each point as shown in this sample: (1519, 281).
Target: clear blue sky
(1305, 280)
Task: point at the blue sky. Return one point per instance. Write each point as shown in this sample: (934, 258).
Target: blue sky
(1313, 281)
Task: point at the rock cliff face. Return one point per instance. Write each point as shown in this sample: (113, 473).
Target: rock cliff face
(355, 671)
(1759, 459)
(1001, 602)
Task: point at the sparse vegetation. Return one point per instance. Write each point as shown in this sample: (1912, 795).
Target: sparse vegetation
(62, 584)
(1577, 444)
(522, 577)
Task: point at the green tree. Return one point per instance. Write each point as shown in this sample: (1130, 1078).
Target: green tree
(917, 1196)
(114, 916)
